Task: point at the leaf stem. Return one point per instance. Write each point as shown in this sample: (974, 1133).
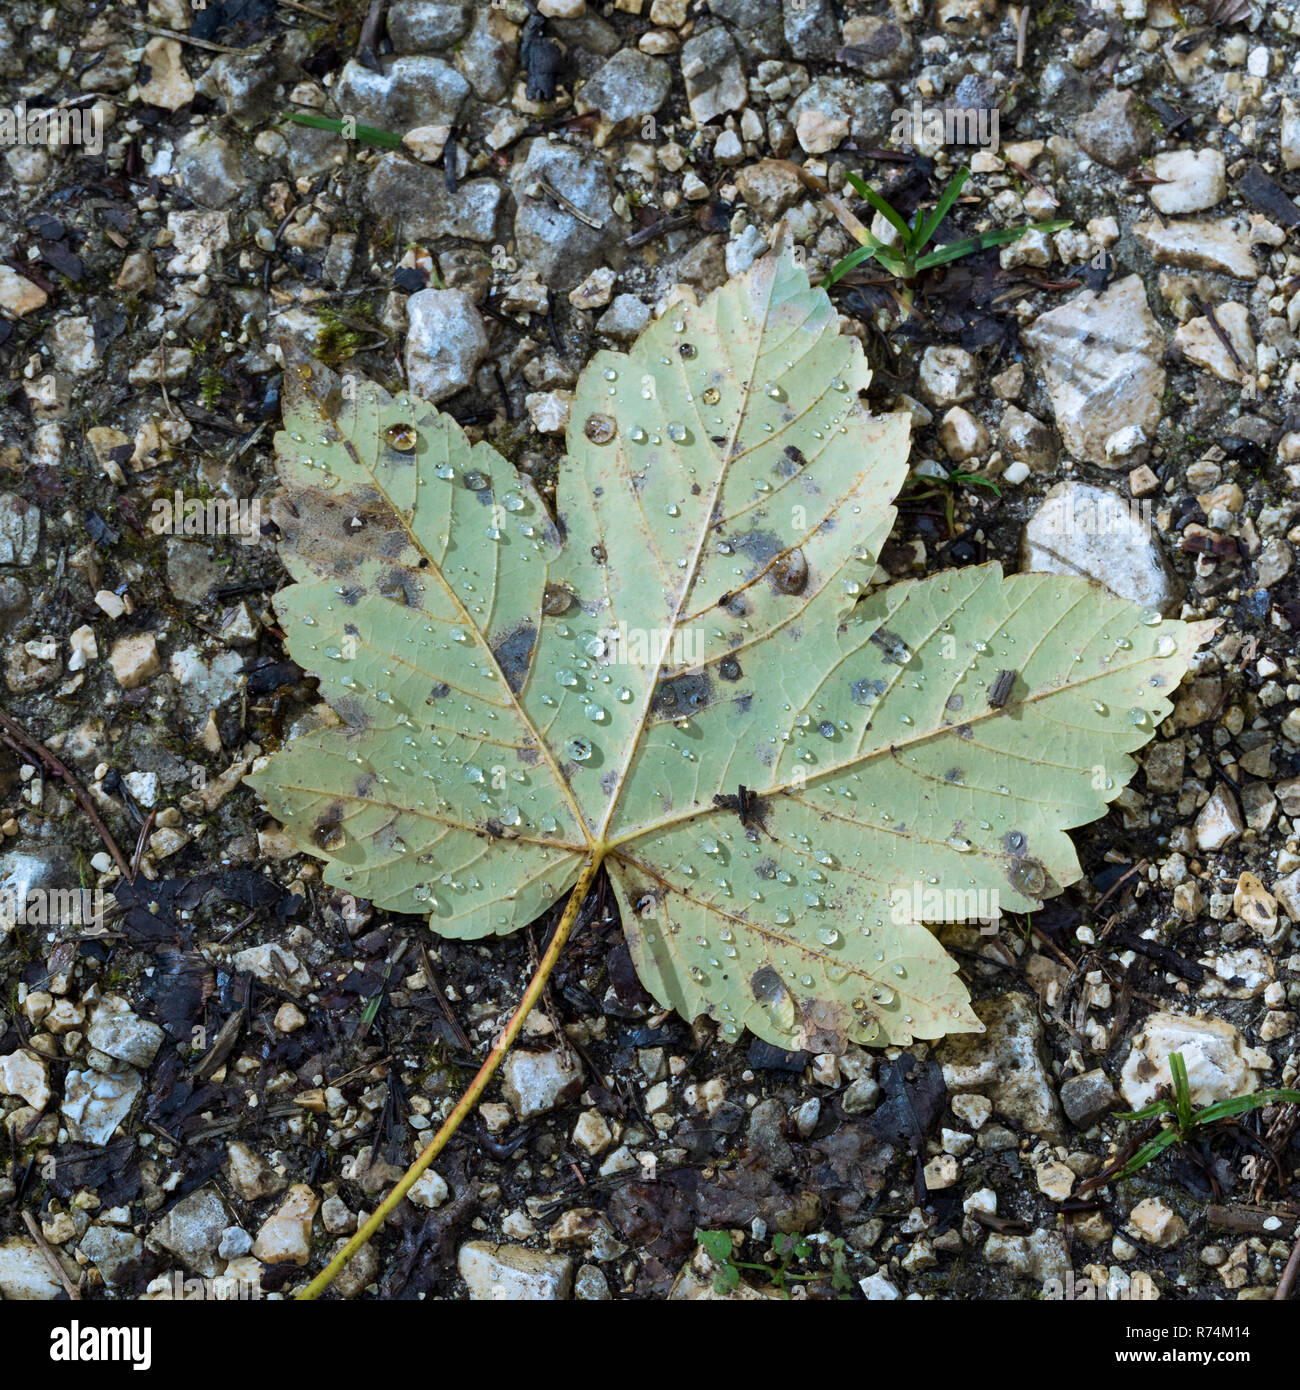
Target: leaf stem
(471, 1097)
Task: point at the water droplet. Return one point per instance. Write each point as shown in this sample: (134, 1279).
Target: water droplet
(577, 749)
(600, 429)
(475, 481)
(403, 438)
(676, 432)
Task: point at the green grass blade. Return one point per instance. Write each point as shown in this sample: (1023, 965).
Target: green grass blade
(946, 199)
(852, 261)
(1240, 1105)
(1182, 1090)
(1149, 1112)
(370, 134)
(956, 249)
(894, 218)
(1152, 1149)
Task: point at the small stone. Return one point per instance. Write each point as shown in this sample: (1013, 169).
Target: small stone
(1201, 243)
(1219, 821)
(1194, 180)
(962, 436)
(592, 1134)
(289, 1018)
(549, 410)
(119, 1032)
(1203, 347)
(947, 376)
(285, 1237)
(18, 294)
(192, 1231)
(594, 291)
(509, 1273)
(1157, 1224)
(445, 343)
(714, 75)
(770, 187)
(429, 1190)
(251, 1176)
(1086, 530)
(1088, 1097)
(1054, 1180)
(1100, 355)
(25, 1275)
(24, 1074)
(276, 966)
(96, 1102)
(536, 1082)
(1115, 132)
(169, 85)
(1219, 1063)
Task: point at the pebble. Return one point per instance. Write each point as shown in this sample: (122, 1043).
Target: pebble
(169, 84)
(1193, 180)
(1157, 1224)
(1201, 243)
(1218, 823)
(1087, 1097)
(1115, 132)
(121, 1033)
(429, 1190)
(1086, 530)
(510, 1273)
(714, 75)
(18, 294)
(1006, 1061)
(536, 1082)
(96, 1102)
(285, 1237)
(25, 1074)
(947, 375)
(1219, 1062)
(25, 1275)
(192, 1230)
(1100, 358)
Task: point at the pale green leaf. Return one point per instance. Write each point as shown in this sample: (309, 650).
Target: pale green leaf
(777, 767)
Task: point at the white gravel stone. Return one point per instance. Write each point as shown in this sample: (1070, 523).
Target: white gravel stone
(510, 1273)
(1194, 180)
(285, 1237)
(1100, 356)
(1219, 1062)
(445, 342)
(117, 1030)
(536, 1082)
(1091, 531)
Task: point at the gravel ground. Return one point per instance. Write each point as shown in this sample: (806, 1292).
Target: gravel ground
(217, 1079)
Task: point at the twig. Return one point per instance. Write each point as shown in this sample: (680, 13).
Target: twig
(1287, 1281)
(569, 206)
(22, 742)
(51, 1259)
(461, 1036)
(308, 9)
(139, 845)
(185, 38)
(471, 1097)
